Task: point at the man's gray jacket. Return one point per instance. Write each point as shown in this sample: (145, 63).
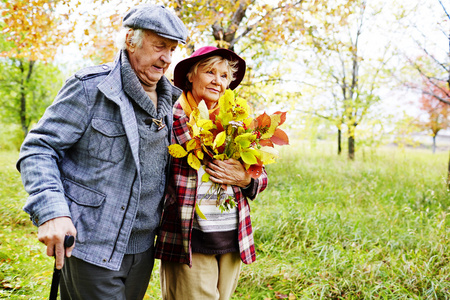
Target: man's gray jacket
(81, 161)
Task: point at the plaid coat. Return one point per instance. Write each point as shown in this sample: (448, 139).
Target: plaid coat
(174, 239)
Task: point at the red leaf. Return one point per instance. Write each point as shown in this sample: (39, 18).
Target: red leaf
(280, 137)
(255, 171)
(266, 142)
(283, 116)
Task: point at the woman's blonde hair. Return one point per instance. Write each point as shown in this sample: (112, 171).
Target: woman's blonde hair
(209, 62)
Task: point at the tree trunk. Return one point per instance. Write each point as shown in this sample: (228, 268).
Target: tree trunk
(448, 176)
(23, 112)
(23, 99)
(351, 145)
(434, 144)
(339, 141)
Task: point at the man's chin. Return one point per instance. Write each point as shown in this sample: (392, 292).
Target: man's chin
(150, 83)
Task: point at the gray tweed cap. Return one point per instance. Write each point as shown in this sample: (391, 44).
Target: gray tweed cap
(156, 18)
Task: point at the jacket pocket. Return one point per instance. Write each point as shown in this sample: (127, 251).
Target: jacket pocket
(85, 208)
(108, 140)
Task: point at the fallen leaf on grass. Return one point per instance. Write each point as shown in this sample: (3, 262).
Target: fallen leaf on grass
(279, 295)
(7, 286)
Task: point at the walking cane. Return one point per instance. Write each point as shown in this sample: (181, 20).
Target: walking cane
(68, 242)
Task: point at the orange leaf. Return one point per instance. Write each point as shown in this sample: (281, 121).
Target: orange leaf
(266, 142)
(262, 121)
(280, 137)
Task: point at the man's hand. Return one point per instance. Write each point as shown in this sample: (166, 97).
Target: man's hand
(229, 171)
(52, 234)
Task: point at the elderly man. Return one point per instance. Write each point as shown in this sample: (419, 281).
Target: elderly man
(95, 165)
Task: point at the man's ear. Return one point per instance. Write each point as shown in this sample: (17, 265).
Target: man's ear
(131, 47)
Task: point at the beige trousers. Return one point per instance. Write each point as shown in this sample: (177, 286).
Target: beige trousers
(212, 277)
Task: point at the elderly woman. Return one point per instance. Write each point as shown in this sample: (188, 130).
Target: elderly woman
(201, 259)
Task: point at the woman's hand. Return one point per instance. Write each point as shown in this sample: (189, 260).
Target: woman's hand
(228, 171)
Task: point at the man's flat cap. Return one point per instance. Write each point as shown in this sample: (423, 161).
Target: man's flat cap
(158, 19)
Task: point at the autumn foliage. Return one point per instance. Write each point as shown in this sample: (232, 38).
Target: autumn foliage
(230, 132)
(33, 29)
(438, 112)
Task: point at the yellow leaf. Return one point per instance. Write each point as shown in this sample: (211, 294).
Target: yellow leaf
(199, 212)
(191, 145)
(205, 124)
(207, 138)
(226, 104)
(177, 151)
(247, 122)
(199, 154)
(193, 161)
(222, 156)
(268, 155)
(220, 139)
(205, 177)
(242, 110)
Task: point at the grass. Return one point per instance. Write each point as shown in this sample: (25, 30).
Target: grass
(325, 228)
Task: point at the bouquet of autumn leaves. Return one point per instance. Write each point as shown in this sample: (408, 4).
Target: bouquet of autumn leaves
(230, 132)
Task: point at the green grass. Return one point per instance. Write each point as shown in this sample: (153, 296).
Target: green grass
(325, 228)
(371, 229)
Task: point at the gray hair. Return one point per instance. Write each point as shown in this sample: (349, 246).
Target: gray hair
(136, 37)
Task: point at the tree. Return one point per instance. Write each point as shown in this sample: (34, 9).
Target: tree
(26, 90)
(346, 78)
(438, 112)
(432, 66)
(31, 32)
(224, 22)
(254, 29)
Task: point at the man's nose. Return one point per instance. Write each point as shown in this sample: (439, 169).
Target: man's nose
(167, 57)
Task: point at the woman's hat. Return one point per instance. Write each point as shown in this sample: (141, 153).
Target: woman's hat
(183, 67)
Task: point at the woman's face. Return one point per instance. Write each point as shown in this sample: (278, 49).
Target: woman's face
(209, 83)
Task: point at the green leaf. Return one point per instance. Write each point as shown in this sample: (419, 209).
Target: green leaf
(248, 157)
(245, 140)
